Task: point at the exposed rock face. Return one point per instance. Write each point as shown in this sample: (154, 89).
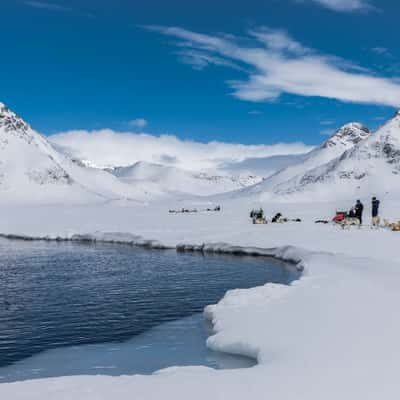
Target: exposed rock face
(10, 122)
(348, 136)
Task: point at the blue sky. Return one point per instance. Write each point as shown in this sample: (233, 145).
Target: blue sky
(255, 71)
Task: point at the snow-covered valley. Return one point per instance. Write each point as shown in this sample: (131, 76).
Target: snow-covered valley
(333, 334)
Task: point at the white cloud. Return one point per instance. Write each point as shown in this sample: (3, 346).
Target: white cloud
(47, 6)
(278, 64)
(138, 123)
(382, 51)
(346, 5)
(278, 40)
(110, 148)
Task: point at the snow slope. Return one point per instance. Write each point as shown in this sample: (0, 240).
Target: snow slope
(176, 180)
(33, 171)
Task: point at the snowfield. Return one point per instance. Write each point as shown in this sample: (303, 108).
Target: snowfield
(333, 334)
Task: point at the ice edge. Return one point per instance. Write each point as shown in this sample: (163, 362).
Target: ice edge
(293, 255)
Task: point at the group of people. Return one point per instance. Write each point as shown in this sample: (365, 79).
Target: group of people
(358, 209)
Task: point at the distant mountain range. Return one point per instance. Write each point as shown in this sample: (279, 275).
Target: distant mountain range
(353, 161)
(175, 180)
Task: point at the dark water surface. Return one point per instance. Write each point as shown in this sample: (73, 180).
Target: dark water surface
(54, 295)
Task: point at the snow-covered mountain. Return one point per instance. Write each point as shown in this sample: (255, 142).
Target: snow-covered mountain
(344, 139)
(352, 163)
(372, 166)
(176, 180)
(32, 170)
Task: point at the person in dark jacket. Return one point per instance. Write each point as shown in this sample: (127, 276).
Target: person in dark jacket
(375, 212)
(359, 208)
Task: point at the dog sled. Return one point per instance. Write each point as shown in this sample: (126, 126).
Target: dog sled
(343, 219)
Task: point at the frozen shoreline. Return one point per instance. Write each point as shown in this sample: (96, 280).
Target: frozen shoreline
(286, 253)
(330, 332)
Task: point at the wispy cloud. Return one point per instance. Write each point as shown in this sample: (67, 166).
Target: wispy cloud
(47, 6)
(346, 5)
(255, 112)
(138, 123)
(277, 64)
(327, 122)
(381, 51)
(200, 60)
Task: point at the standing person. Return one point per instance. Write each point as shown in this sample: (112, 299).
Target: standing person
(375, 212)
(359, 210)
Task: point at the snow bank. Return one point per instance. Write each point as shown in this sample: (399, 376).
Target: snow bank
(224, 339)
(289, 254)
(96, 237)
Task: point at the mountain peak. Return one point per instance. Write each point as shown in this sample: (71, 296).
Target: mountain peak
(4, 110)
(348, 135)
(10, 121)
